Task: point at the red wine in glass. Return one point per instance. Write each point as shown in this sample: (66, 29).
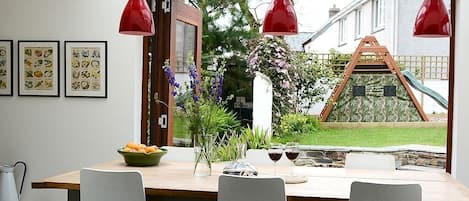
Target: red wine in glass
(292, 151)
(275, 153)
(291, 155)
(275, 156)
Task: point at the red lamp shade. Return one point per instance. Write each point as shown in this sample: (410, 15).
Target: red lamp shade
(432, 20)
(137, 19)
(280, 19)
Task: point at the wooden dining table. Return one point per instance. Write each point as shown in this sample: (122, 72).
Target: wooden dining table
(172, 180)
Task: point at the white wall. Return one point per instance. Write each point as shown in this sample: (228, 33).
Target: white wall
(330, 37)
(55, 135)
(461, 97)
(410, 45)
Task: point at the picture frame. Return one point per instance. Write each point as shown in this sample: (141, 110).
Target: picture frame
(6, 67)
(86, 69)
(38, 68)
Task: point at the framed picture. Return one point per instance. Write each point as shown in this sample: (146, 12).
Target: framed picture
(38, 68)
(86, 69)
(6, 67)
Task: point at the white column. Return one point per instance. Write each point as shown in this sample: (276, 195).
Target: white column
(460, 159)
(262, 102)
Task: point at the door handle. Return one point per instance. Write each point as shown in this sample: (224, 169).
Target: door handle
(163, 121)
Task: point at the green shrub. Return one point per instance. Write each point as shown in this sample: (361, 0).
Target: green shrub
(227, 148)
(255, 138)
(217, 119)
(298, 124)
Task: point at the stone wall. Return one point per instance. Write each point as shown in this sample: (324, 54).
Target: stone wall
(406, 156)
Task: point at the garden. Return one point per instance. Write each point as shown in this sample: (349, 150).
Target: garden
(299, 81)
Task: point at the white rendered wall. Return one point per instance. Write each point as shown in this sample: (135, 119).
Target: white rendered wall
(410, 45)
(55, 135)
(460, 162)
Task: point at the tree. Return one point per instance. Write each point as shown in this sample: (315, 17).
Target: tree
(228, 27)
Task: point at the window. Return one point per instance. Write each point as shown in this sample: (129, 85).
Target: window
(358, 23)
(342, 31)
(389, 90)
(358, 91)
(378, 15)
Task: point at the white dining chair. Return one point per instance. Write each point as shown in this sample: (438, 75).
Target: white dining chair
(261, 157)
(115, 185)
(240, 188)
(370, 161)
(180, 154)
(362, 191)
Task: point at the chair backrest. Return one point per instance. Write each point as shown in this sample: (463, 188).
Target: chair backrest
(261, 157)
(361, 191)
(115, 185)
(181, 154)
(370, 161)
(240, 188)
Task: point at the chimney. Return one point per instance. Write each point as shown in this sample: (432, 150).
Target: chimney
(333, 11)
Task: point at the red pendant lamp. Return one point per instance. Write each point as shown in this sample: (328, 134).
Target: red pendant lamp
(432, 20)
(137, 19)
(280, 19)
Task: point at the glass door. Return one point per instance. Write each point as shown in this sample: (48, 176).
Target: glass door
(186, 47)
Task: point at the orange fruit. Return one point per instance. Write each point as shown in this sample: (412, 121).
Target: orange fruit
(150, 149)
(132, 145)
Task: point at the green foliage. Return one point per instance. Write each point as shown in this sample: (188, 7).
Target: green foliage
(217, 119)
(227, 37)
(337, 61)
(226, 41)
(272, 57)
(256, 138)
(314, 80)
(297, 125)
(227, 148)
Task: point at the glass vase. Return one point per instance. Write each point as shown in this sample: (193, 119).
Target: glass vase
(240, 166)
(203, 148)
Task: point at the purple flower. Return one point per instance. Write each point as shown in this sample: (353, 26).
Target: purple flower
(194, 81)
(171, 79)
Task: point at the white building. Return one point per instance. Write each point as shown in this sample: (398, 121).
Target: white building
(390, 21)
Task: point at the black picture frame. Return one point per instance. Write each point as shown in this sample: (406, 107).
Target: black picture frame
(86, 69)
(39, 68)
(6, 67)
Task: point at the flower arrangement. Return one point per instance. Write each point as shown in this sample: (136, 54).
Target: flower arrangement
(202, 105)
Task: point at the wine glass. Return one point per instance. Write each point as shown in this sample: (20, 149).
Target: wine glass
(292, 151)
(275, 153)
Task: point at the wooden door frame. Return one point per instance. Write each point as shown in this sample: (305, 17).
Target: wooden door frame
(449, 133)
(190, 15)
(159, 46)
(162, 45)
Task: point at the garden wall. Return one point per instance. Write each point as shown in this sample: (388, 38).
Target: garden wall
(407, 157)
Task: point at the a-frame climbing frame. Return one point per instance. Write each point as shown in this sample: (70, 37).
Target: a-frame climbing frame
(370, 57)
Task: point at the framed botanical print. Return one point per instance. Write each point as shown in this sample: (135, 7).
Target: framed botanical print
(38, 68)
(6, 67)
(86, 69)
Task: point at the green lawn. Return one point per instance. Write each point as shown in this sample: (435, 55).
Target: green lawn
(372, 137)
(180, 127)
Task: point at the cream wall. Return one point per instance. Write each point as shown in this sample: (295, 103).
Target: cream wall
(461, 96)
(54, 135)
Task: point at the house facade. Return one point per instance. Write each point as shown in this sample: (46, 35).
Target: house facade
(390, 21)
